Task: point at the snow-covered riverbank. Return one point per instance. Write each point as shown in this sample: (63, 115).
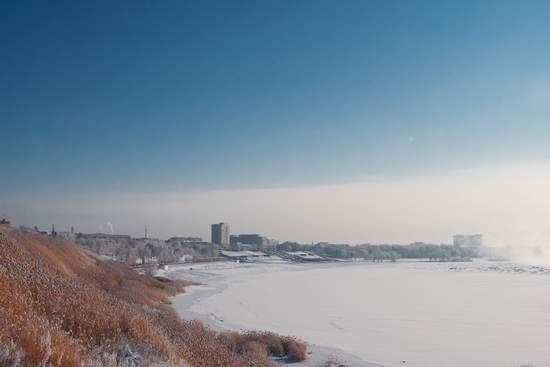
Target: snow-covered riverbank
(414, 313)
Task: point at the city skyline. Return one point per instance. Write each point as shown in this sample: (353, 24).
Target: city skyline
(435, 206)
(220, 235)
(382, 122)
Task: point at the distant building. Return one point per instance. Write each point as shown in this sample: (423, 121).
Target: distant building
(220, 233)
(304, 256)
(5, 223)
(243, 255)
(473, 240)
(249, 239)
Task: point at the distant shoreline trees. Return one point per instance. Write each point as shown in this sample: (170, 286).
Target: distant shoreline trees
(141, 250)
(386, 252)
(178, 249)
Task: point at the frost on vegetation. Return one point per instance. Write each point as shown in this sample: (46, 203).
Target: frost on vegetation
(332, 361)
(11, 355)
(62, 307)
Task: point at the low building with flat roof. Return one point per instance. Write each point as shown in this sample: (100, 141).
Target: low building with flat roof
(243, 255)
(304, 256)
(249, 239)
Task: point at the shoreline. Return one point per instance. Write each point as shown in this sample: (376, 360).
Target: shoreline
(214, 283)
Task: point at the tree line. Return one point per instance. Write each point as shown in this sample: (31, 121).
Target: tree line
(140, 250)
(178, 249)
(417, 250)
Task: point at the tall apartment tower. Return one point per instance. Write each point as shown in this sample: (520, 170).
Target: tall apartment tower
(473, 240)
(220, 233)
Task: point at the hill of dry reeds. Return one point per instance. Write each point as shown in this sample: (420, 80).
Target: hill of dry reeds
(60, 306)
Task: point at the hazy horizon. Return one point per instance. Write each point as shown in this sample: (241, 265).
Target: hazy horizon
(429, 210)
(354, 122)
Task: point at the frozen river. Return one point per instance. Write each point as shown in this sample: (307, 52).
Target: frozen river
(407, 313)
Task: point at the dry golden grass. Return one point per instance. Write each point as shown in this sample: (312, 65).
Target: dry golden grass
(275, 344)
(60, 306)
(332, 361)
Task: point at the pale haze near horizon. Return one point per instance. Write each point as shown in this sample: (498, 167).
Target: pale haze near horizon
(346, 122)
(509, 205)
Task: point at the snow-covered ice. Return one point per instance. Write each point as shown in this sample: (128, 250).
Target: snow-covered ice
(406, 313)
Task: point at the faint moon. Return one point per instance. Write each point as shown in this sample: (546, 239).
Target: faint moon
(410, 138)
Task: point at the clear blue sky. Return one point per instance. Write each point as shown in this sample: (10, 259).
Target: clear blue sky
(136, 96)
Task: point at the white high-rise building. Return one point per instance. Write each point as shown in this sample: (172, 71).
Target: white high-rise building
(473, 240)
(220, 233)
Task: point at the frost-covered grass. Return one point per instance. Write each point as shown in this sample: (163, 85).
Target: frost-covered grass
(60, 306)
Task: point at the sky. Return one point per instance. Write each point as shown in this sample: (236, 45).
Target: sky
(345, 122)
